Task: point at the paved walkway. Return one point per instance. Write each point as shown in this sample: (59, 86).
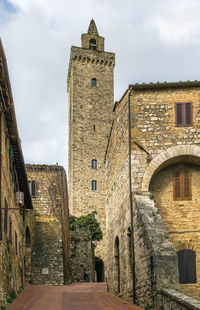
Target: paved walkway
(81, 296)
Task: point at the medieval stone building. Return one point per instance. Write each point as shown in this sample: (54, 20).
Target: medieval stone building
(15, 202)
(50, 233)
(90, 88)
(153, 157)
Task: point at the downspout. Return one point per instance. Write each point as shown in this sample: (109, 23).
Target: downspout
(131, 199)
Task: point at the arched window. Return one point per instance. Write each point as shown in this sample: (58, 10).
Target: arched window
(94, 164)
(94, 185)
(187, 266)
(94, 82)
(93, 45)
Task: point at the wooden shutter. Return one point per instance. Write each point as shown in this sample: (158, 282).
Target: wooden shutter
(191, 266)
(177, 185)
(188, 114)
(182, 266)
(179, 114)
(186, 184)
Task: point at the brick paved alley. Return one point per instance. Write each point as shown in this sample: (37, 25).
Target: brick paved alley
(81, 296)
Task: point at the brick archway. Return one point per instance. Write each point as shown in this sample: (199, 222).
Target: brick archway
(167, 155)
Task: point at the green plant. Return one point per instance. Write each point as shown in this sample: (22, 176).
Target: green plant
(12, 297)
(146, 307)
(86, 223)
(3, 308)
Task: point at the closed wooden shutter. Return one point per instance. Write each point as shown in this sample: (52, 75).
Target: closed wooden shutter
(186, 185)
(191, 263)
(182, 266)
(188, 114)
(187, 266)
(177, 185)
(179, 114)
(182, 183)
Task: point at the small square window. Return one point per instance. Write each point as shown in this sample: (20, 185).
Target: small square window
(94, 82)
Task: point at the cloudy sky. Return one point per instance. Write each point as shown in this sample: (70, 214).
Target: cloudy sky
(154, 40)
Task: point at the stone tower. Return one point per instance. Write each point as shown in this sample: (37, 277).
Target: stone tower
(90, 89)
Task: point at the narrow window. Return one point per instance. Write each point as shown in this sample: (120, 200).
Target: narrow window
(94, 127)
(16, 251)
(94, 164)
(94, 185)
(182, 184)
(183, 111)
(94, 82)
(6, 217)
(187, 266)
(32, 188)
(92, 44)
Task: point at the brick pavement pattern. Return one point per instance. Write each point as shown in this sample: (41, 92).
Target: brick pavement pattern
(81, 296)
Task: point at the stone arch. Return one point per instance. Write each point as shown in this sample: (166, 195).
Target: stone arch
(27, 258)
(167, 156)
(185, 244)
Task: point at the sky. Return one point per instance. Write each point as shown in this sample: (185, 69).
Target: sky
(154, 40)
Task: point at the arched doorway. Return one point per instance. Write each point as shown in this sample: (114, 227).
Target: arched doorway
(27, 258)
(117, 264)
(99, 268)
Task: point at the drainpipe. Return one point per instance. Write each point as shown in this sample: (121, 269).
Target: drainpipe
(131, 199)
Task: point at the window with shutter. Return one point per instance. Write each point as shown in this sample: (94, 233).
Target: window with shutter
(182, 184)
(183, 114)
(187, 266)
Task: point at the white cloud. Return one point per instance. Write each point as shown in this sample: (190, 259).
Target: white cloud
(153, 40)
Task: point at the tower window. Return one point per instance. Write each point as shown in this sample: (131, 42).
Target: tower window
(187, 266)
(94, 82)
(183, 111)
(94, 185)
(93, 45)
(182, 184)
(94, 164)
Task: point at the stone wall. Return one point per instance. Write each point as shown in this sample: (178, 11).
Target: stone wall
(51, 215)
(173, 300)
(81, 256)
(90, 117)
(156, 264)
